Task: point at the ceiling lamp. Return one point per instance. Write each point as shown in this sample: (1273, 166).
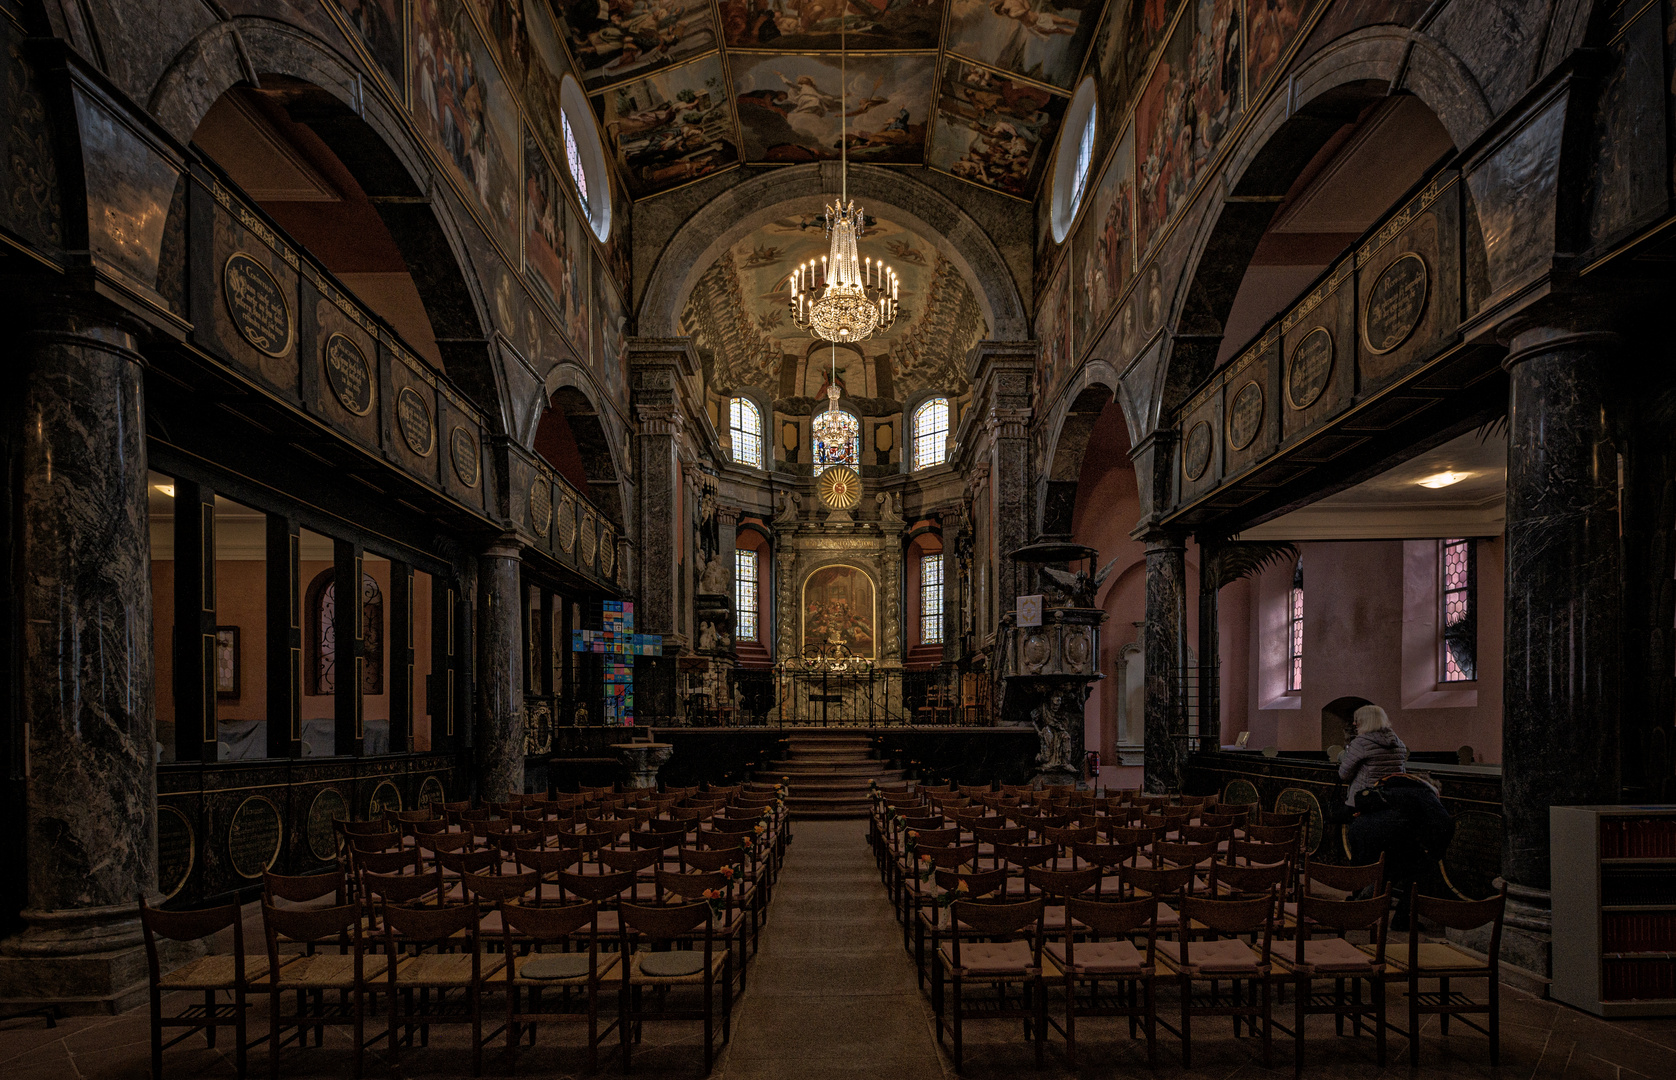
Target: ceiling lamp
(843, 298)
(1443, 479)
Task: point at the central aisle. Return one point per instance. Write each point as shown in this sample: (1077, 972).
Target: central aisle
(832, 994)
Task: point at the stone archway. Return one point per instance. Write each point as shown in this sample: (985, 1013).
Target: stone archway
(805, 189)
(1068, 427)
(1330, 89)
(570, 392)
(319, 90)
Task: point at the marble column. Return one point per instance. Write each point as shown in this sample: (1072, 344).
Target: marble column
(1164, 642)
(1003, 375)
(86, 723)
(498, 741)
(1564, 604)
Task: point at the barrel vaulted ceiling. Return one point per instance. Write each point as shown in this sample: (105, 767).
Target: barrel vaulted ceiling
(688, 88)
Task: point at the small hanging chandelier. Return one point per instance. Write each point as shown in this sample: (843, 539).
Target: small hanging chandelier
(843, 297)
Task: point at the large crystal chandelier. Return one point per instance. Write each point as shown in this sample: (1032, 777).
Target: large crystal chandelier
(843, 297)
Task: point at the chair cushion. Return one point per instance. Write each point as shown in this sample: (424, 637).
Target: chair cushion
(669, 965)
(572, 965)
(1099, 957)
(992, 958)
(1223, 956)
(1329, 955)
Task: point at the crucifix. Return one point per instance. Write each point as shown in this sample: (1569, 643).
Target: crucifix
(618, 642)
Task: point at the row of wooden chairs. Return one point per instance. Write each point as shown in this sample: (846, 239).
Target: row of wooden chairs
(1211, 916)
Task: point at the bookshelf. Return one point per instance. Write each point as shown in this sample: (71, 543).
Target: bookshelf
(1614, 896)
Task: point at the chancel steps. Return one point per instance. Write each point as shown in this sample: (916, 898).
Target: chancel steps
(828, 774)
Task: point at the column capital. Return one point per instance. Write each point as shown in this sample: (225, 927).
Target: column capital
(506, 546)
(1532, 340)
(1163, 540)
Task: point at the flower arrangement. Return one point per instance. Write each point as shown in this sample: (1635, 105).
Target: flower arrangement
(927, 867)
(718, 903)
(961, 891)
(727, 872)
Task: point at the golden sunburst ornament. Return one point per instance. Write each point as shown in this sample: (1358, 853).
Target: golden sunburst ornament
(839, 487)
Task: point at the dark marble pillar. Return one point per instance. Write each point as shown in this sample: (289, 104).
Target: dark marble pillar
(1164, 642)
(499, 737)
(1004, 374)
(657, 370)
(1564, 599)
(82, 584)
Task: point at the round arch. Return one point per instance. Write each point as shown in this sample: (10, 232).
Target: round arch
(1328, 90)
(867, 574)
(805, 189)
(1068, 426)
(570, 390)
(326, 91)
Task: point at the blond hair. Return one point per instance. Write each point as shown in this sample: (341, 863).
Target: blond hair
(1370, 718)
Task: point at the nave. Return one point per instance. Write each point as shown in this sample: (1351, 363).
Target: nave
(832, 994)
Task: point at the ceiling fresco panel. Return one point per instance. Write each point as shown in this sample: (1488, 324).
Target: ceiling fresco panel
(992, 129)
(1040, 39)
(791, 106)
(812, 25)
(626, 39)
(670, 128)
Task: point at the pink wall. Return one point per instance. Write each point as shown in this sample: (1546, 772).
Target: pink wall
(1371, 624)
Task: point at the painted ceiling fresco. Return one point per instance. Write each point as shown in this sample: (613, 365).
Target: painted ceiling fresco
(688, 88)
(737, 316)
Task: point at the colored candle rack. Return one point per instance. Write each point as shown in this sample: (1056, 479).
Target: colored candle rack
(617, 641)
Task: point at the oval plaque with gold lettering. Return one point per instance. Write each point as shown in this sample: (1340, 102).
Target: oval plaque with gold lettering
(1245, 416)
(1395, 303)
(607, 550)
(567, 524)
(1312, 366)
(348, 373)
(1195, 455)
(462, 447)
(1298, 801)
(177, 850)
(385, 797)
(257, 305)
(541, 506)
(327, 806)
(431, 793)
(590, 538)
(413, 416)
(254, 836)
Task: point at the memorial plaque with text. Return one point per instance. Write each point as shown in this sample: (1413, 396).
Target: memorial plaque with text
(413, 416)
(177, 850)
(254, 836)
(431, 793)
(322, 836)
(1298, 801)
(567, 524)
(462, 446)
(1311, 368)
(1395, 304)
(1241, 793)
(348, 374)
(385, 797)
(1195, 457)
(1245, 416)
(541, 506)
(257, 305)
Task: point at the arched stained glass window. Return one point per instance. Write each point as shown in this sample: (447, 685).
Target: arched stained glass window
(745, 425)
(931, 432)
(1295, 629)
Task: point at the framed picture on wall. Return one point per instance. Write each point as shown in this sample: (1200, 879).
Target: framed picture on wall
(226, 661)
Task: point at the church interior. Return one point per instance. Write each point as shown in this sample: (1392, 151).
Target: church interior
(1174, 498)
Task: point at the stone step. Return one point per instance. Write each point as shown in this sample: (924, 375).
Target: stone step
(860, 769)
(830, 740)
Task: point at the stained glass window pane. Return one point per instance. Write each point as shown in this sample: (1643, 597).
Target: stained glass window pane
(573, 158)
(845, 450)
(745, 425)
(745, 593)
(931, 432)
(1460, 632)
(1295, 631)
(931, 599)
